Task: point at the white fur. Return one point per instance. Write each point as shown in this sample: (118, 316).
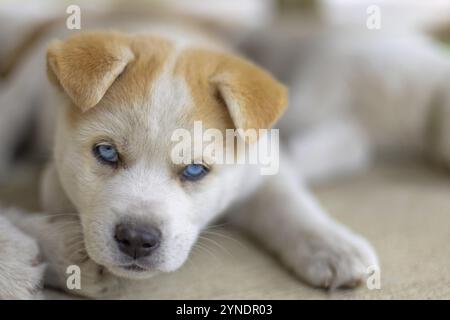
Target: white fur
(145, 193)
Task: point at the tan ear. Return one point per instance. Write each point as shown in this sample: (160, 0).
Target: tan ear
(87, 64)
(255, 100)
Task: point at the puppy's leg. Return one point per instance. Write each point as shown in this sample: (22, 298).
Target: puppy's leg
(21, 271)
(334, 148)
(62, 248)
(289, 221)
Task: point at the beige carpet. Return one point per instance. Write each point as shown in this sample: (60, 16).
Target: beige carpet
(404, 209)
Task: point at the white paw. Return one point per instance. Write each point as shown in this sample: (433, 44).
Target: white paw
(333, 258)
(21, 270)
(91, 279)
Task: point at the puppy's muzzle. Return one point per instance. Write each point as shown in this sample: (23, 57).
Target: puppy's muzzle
(137, 241)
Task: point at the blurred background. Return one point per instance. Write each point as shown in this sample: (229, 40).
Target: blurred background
(241, 21)
(248, 14)
(254, 13)
(238, 18)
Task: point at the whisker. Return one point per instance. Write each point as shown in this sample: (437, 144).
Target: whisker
(241, 244)
(214, 226)
(208, 251)
(218, 245)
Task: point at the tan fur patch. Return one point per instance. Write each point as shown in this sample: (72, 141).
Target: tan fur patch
(88, 64)
(150, 54)
(230, 91)
(134, 83)
(227, 91)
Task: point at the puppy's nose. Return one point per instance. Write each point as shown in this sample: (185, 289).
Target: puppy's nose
(136, 241)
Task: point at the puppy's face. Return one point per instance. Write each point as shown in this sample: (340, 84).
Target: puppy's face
(141, 213)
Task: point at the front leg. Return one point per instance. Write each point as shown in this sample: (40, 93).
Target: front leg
(286, 218)
(61, 242)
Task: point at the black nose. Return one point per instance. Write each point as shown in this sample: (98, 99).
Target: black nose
(137, 241)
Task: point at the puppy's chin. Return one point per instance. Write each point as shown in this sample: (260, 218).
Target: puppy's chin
(132, 273)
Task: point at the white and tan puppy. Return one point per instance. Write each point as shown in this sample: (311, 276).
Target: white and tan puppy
(121, 97)
(131, 93)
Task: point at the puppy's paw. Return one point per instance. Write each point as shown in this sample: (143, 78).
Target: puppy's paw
(97, 282)
(333, 258)
(71, 269)
(5, 169)
(21, 269)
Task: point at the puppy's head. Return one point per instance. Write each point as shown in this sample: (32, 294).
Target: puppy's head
(124, 96)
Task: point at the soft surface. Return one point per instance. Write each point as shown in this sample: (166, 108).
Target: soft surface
(403, 209)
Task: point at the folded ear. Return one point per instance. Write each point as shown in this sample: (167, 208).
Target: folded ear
(255, 100)
(87, 64)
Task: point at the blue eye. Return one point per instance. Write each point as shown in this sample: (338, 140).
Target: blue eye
(194, 172)
(106, 153)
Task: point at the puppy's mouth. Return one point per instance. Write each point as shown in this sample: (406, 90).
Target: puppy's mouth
(135, 268)
(132, 270)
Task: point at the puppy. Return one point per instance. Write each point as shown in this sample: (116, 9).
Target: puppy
(122, 97)
(119, 97)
